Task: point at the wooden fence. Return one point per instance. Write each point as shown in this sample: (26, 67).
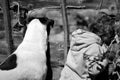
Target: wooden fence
(8, 28)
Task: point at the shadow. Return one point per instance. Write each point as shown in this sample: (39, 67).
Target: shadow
(49, 75)
(49, 68)
(103, 75)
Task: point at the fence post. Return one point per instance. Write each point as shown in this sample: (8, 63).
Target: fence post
(100, 5)
(117, 5)
(66, 30)
(7, 25)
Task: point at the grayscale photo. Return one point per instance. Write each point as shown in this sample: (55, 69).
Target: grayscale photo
(59, 39)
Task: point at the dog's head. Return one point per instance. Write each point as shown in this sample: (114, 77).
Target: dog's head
(44, 20)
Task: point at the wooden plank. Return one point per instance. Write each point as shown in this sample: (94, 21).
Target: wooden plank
(66, 29)
(68, 7)
(7, 25)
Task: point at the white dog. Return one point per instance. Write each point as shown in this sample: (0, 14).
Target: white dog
(28, 62)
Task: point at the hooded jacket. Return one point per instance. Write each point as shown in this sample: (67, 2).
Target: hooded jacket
(84, 57)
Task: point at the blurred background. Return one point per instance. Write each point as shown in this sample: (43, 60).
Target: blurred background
(57, 48)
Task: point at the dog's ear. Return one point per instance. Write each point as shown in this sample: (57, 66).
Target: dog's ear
(46, 21)
(50, 25)
(43, 20)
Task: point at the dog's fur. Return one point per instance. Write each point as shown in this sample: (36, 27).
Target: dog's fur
(29, 59)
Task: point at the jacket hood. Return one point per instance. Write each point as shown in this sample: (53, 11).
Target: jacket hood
(83, 38)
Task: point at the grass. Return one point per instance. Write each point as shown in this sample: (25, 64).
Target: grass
(2, 35)
(3, 51)
(1, 25)
(3, 47)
